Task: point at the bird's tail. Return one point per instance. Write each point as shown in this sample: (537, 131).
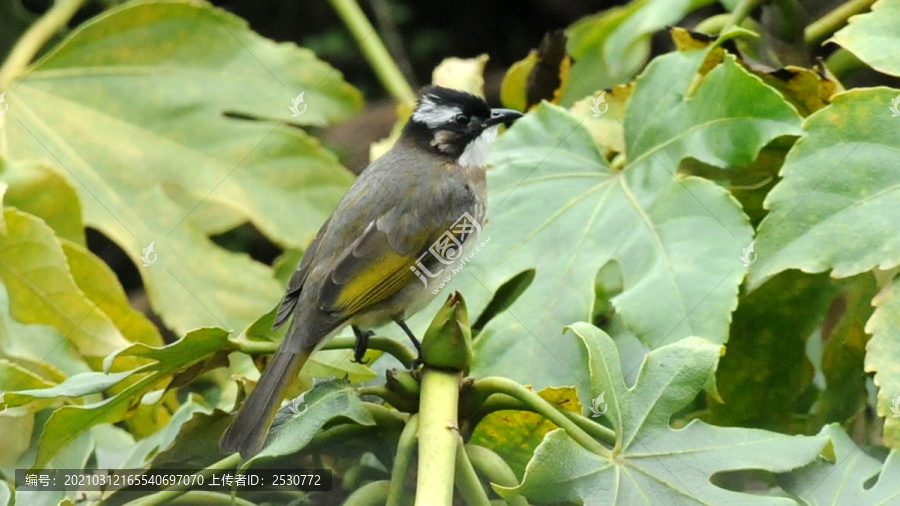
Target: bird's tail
(248, 431)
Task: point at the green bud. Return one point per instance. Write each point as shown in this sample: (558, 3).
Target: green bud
(448, 341)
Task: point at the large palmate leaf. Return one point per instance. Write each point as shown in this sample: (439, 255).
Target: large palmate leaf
(557, 206)
(848, 479)
(652, 463)
(883, 358)
(609, 48)
(839, 200)
(157, 84)
(874, 37)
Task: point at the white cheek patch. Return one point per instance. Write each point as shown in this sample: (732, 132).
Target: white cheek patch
(433, 114)
(476, 153)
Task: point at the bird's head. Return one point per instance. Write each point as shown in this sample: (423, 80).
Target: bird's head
(456, 124)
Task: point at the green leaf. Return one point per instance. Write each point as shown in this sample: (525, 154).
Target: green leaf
(78, 385)
(147, 448)
(195, 346)
(168, 88)
(848, 480)
(42, 290)
(196, 445)
(558, 207)
(515, 434)
(883, 358)
(839, 196)
(14, 377)
(653, 463)
(609, 48)
(39, 190)
(844, 353)
(68, 422)
(326, 401)
(874, 37)
(27, 345)
(101, 286)
(766, 369)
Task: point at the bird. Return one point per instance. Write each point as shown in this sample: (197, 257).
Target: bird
(374, 260)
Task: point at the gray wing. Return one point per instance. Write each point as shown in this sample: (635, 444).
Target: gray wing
(292, 292)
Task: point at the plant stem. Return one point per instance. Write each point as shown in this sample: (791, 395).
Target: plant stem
(713, 24)
(165, 496)
(494, 468)
(405, 447)
(392, 398)
(397, 349)
(36, 36)
(467, 482)
(500, 402)
(373, 49)
(439, 428)
(742, 10)
(823, 27)
(543, 408)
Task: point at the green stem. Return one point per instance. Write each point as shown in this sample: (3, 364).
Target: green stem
(467, 482)
(35, 37)
(370, 494)
(394, 399)
(168, 495)
(397, 349)
(742, 10)
(823, 27)
(193, 497)
(386, 421)
(439, 429)
(843, 64)
(373, 49)
(494, 468)
(543, 408)
(405, 448)
(714, 24)
(500, 402)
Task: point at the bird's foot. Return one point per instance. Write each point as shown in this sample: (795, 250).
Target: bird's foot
(362, 344)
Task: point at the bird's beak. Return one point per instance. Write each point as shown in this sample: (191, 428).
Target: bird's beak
(505, 116)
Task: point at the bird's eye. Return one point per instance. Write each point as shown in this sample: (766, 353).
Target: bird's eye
(461, 119)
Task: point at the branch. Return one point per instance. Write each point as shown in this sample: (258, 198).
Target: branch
(536, 403)
(439, 430)
(405, 447)
(36, 36)
(831, 22)
(467, 481)
(373, 49)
